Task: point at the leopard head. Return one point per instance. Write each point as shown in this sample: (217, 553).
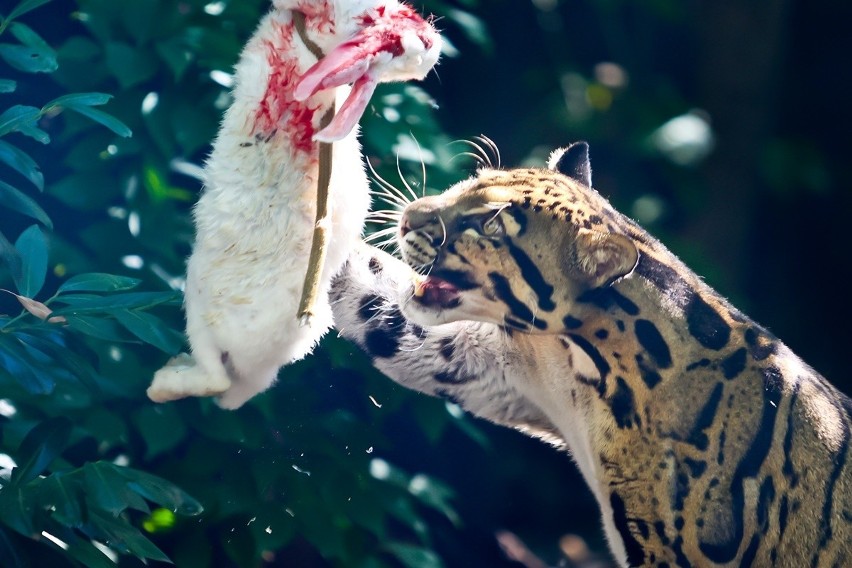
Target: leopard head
(514, 247)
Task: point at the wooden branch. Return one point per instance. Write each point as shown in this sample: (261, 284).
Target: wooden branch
(319, 242)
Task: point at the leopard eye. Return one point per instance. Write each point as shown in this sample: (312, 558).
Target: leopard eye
(493, 227)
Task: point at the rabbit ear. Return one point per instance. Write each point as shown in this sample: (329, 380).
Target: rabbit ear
(347, 63)
(344, 64)
(347, 117)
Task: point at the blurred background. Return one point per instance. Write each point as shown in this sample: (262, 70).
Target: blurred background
(721, 126)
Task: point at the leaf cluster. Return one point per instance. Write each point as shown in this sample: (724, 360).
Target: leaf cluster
(99, 167)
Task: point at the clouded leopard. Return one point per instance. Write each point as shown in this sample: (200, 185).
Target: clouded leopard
(705, 440)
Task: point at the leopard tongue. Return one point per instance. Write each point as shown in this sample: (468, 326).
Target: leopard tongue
(435, 292)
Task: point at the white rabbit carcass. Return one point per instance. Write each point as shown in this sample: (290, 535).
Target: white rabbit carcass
(255, 217)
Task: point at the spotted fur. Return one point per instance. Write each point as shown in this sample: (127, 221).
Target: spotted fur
(705, 440)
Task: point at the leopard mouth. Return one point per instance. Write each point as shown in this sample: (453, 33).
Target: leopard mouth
(436, 293)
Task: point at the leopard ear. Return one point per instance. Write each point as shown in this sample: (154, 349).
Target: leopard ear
(573, 162)
(604, 257)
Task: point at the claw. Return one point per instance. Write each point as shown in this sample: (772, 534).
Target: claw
(419, 288)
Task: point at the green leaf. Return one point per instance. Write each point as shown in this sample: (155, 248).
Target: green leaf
(27, 36)
(120, 534)
(87, 191)
(104, 119)
(72, 298)
(96, 327)
(8, 552)
(87, 553)
(18, 116)
(160, 190)
(161, 492)
(32, 246)
(8, 86)
(108, 304)
(17, 201)
(176, 55)
(151, 329)
(193, 127)
(42, 445)
(98, 282)
(161, 427)
(435, 494)
(61, 493)
(82, 550)
(15, 361)
(17, 511)
(79, 48)
(414, 556)
(108, 491)
(108, 427)
(25, 6)
(130, 65)
(159, 520)
(29, 59)
(61, 356)
(34, 132)
(21, 162)
(78, 99)
(10, 257)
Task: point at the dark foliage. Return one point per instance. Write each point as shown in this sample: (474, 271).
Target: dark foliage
(719, 125)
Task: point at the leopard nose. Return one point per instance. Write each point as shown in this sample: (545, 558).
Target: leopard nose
(412, 220)
(418, 216)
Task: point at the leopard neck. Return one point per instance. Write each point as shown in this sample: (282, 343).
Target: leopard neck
(658, 324)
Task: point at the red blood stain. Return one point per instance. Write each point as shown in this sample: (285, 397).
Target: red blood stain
(391, 42)
(319, 16)
(388, 27)
(382, 31)
(278, 108)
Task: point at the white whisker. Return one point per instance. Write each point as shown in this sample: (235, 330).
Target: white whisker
(384, 233)
(486, 159)
(396, 212)
(476, 157)
(386, 215)
(429, 268)
(491, 146)
(403, 180)
(401, 197)
(386, 230)
(385, 244)
(443, 232)
(390, 198)
(418, 348)
(422, 166)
